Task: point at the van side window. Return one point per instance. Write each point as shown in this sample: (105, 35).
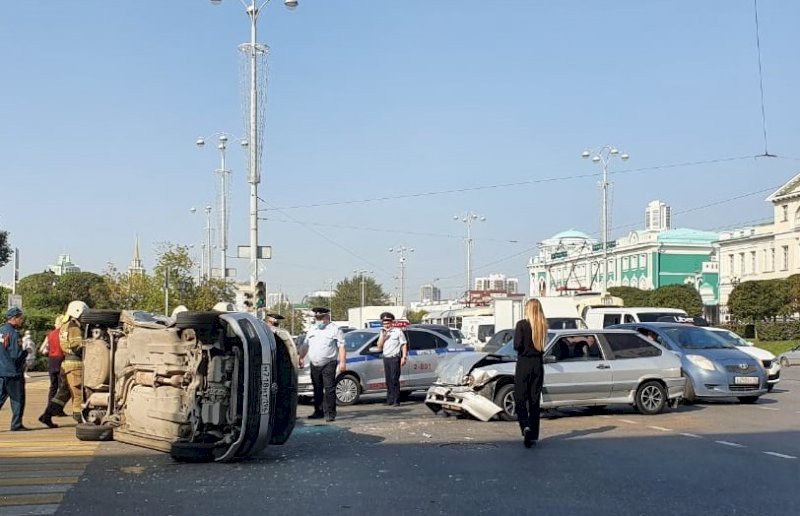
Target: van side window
(611, 319)
(629, 318)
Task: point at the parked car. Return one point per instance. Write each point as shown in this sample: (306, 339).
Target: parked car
(581, 368)
(714, 367)
(768, 360)
(610, 316)
(790, 358)
(451, 333)
(365, 374)
(207, 386)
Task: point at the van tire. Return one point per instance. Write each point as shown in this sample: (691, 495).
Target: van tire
(92, 432)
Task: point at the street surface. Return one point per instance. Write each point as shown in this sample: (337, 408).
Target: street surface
(709, 458)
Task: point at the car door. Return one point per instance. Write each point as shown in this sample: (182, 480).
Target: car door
(633, 357)
(422, 358)
(579, 370)
(369, 367)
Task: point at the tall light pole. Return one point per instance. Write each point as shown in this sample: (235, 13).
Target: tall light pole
(469, 218)
(224, 195)
(254, 137)
(362, 274)
(209, 263)
(603, 156)
(402, 250)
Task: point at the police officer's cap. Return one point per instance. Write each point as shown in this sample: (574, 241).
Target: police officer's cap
(277, 317)
(14, 311)
(387, 316)
(321, 310)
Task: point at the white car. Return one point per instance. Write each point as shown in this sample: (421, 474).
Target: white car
(771, 365)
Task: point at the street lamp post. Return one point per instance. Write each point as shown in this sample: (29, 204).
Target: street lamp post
(254, 50)
(401, 250)
(469, 218)
(362, 274)
(603, 156)
(205, 253)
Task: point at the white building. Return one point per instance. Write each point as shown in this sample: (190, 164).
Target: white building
(657, 216)
(497, 283)
(429, 293)
(63, 266)
(763, 251)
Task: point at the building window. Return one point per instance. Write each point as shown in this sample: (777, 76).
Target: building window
(772, 259)
(785, 258)
(785, 212)
(753, 269)
(625, 263)
(741, 264)
(643, 261)
(731, 270)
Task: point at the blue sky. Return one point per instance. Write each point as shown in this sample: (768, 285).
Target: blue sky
(101, 103)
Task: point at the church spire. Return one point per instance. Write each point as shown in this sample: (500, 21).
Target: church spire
(136, 264)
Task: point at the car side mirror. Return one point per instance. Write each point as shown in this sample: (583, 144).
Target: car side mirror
(550, 359)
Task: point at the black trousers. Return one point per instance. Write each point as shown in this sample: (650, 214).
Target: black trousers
(14, 388)
(323, 378)
(528, 380)
(55, 373)
(391, 371)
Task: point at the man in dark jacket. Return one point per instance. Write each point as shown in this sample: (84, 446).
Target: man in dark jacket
(12, 366)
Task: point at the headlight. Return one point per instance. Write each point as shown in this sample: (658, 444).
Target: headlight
(701, 362)
(478, 378)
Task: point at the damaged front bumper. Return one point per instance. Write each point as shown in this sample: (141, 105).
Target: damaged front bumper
(462, 400)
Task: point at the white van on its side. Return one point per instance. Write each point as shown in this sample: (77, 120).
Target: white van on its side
(603, 317)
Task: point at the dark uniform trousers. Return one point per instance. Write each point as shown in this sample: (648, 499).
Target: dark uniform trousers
(323, 378)
(528, 380)
(391, 371)
(55, 375)
(14, 388)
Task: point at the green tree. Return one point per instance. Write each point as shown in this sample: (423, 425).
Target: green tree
(294, 321)
(793, 295)
(5, 248)
(749, 301)
(415, 316)
(633, 296)
(684, 297)
(39, 291)
(348, 295)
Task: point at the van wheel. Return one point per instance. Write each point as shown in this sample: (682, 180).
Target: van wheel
(348, 390)
(504, 398)
(204, 320)
(92, 432)
(107, 318)
(650, 398)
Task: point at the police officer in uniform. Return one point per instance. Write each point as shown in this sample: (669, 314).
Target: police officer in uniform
(12, 365)
(392, 342)
(274, 323)
(71, 381)
(326, 353)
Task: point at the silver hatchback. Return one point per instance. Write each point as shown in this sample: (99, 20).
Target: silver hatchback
(581, 368)
(365, 374)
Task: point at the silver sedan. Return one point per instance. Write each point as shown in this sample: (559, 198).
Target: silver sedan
(790, 358)
(582, 368)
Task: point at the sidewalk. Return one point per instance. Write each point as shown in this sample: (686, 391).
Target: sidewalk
(38, 467)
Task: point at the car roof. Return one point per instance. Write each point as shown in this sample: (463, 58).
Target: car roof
(562, 333)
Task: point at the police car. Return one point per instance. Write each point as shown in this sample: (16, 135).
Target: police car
(365, 374)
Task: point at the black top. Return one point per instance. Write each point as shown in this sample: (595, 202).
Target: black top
(523, 341)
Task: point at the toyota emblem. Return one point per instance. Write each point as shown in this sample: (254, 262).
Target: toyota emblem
(743, 366)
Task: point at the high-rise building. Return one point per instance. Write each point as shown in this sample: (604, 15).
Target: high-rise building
(657, 216)
(497, 283)
(430, 293)
(63, 266)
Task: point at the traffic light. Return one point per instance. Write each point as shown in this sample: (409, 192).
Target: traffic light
(261, 295)
(248, 300)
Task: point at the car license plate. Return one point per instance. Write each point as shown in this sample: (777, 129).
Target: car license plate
(746, 380)
(266, 387)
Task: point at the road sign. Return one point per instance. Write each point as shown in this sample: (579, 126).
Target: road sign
(229, 273)
(264, 252)
(15, 300)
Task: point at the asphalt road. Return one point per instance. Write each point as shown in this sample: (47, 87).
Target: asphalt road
(711, 458)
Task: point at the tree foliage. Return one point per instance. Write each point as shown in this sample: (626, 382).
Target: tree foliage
(749, 301)
(5, 248)
(294, 321)
(684, 297)
(47, 291)
(632, 296)
(415, 316)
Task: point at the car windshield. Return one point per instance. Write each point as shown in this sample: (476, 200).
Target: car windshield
(732, 338)
(355, 340)
(654, 316)
(692, 337)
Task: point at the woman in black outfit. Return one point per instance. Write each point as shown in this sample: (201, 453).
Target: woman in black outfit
(530, 336)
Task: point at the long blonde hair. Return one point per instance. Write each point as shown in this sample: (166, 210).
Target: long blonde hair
(538, 322)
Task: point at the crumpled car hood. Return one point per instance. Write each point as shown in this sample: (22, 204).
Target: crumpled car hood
(453, 370)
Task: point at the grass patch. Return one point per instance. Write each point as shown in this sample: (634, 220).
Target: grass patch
(776, 347)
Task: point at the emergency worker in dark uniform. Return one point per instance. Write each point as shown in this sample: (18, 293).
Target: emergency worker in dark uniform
(71, 381)
(530, 338)
(12, 366)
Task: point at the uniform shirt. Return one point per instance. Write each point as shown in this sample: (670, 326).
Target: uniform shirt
(393, 343)
(323, 344)
(12, 356)
(69, 334)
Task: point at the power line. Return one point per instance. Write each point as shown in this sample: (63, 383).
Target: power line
(761, 80)
(512, 184)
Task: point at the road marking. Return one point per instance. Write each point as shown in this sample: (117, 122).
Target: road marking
(40, 499)
(38, 481)
(781, 455)
(767, 408)
(694, 436)
(660, 428)
(728, 443)
(628, 421)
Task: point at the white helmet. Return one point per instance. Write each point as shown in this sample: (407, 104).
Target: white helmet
(178, 309)
(75, 309)
(222, 306)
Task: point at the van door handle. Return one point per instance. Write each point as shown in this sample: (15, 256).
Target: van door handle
(603, 366)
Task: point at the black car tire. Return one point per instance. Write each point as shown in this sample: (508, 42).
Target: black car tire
(748, 400)
(107, 318)
(784, 362)
(688, 393)
(651, 397)
(92, 432)
(183, 451)
(501, 399)
(344, 382)
(205, 320)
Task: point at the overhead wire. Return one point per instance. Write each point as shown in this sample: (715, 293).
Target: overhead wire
(761, 81)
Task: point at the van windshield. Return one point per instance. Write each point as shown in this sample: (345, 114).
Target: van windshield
(654, 316)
